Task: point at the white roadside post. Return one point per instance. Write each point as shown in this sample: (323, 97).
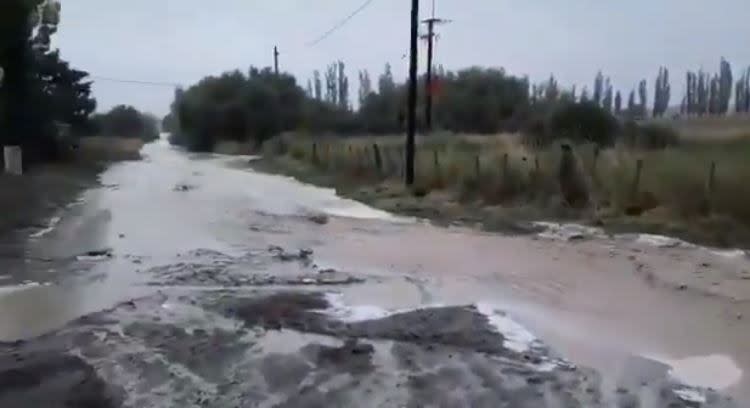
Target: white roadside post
(12, 156)
(13, 159)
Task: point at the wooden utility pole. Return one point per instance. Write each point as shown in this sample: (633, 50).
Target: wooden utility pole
(411, 117)
(430, 37)
(276, 60)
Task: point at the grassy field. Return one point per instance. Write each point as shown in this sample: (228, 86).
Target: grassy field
(697, 190)
(26, 201)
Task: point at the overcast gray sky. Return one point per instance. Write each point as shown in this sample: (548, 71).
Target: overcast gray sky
(181, 41)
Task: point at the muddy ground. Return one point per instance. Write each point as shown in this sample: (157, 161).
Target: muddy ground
(242, 345)
(188, 280)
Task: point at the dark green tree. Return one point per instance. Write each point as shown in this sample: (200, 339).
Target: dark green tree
(67, 92)
(662, 92)
(642, 99)
(583, 121)
(632, 111)
(25, 30)
(598, 88)
(691, 94)
(607, 100)
(702, 91)
(585, 95)
(126, 121)
(365, 86)
(386, 84)
(725, 86)
(343, 86)
(332, 94)
(318, 87)
(714, 96)
(618, 103)
(742, 93)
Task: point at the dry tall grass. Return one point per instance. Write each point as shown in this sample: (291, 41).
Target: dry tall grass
(108, 149)
(499, 170)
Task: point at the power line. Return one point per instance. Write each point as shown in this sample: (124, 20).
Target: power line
(133, 81)
(340, 24)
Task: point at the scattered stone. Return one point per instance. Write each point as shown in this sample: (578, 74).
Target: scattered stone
(739, 316)
(121, 236)
(96, 255)
(279, 253)
(682, 287)
(705, 265)
(320, 219)
(535, 380)
(183, 187)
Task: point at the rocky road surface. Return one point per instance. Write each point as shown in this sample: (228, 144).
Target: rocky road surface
(189, 281)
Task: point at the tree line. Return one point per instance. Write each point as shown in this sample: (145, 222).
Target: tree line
(260, 104)
(705, 94)
(40, 92)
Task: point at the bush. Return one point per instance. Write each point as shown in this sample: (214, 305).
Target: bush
(578, 122)
(583, 122)
(655, 136)
(127, 122)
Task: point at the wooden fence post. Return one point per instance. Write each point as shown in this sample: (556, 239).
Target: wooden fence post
(637, 178)
(402, 161)
(365, 159)
(711, 187)
(378, 159)
(505, 165)
(477, 167)
(712, 178)
(315, 153)
(594, 173)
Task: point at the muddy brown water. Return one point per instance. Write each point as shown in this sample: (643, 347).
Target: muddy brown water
(599, 303)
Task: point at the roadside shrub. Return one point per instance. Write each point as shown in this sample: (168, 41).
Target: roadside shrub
(648, 136)
(276, 146)
(127, 122)
(655, 136)
(583, 122)
(578, 122)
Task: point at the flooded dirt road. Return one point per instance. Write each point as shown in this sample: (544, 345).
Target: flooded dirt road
(190, 280)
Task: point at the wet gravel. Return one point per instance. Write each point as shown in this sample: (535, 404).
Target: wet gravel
(284, 348)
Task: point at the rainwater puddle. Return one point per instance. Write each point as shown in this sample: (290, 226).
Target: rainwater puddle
(713, 371)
